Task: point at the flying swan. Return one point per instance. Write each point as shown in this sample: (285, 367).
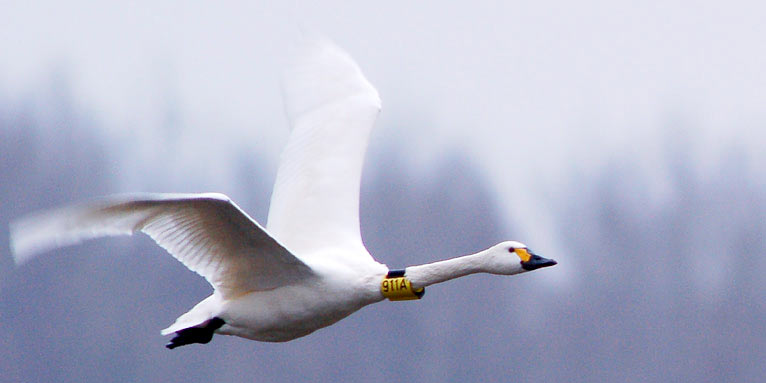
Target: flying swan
(308, 268)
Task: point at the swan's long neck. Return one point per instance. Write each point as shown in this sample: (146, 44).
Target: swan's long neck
(437, 272)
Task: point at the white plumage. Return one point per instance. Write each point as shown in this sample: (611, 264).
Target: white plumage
(310, 268)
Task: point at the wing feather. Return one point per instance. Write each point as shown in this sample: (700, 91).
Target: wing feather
(208, 233)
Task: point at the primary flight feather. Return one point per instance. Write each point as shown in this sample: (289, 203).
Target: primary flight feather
(308, 268)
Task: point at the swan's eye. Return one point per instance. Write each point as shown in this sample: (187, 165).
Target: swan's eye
(523, 254)
(511, 250)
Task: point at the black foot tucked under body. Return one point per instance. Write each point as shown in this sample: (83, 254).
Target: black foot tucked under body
(196, 334)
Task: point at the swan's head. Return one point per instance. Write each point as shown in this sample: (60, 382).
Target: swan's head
(511, 257)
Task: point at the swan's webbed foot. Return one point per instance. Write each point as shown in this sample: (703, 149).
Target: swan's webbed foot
(196, 334)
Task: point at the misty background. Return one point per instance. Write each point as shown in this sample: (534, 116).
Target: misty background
(624, 140)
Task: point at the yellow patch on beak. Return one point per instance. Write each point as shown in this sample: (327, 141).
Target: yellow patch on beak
(523, 254)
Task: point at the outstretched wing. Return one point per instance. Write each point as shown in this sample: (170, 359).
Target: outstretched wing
(208, 233)
(332, 109)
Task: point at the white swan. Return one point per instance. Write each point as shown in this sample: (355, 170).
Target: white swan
(310, 268)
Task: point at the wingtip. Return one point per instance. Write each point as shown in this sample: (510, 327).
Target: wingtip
(18, 253)
(321, 72)
(36, 233)
(23, 247)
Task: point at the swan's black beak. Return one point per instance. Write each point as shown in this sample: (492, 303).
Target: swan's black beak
(535, 262)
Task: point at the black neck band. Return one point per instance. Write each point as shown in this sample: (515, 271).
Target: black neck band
(395, 273)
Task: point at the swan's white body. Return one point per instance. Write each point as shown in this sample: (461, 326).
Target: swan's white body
(309, 269)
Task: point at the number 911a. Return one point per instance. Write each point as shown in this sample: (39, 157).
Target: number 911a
(391, 285)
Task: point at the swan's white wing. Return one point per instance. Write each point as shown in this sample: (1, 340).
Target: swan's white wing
(332, 109)
(208, 233)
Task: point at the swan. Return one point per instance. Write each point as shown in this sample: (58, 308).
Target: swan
(308, 268)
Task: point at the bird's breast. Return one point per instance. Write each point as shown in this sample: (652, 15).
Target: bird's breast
(291, 312)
